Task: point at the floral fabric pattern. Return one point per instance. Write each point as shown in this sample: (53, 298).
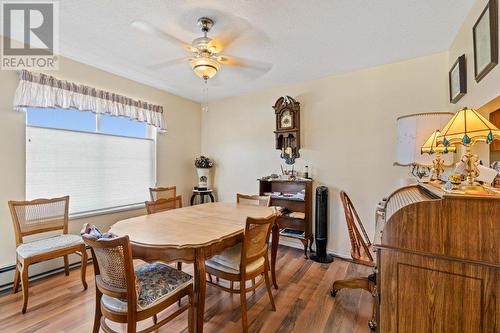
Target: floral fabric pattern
(155, 281)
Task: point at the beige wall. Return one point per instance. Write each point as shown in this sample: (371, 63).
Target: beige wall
(348, 125)
(176, 148)
(478, 93)
(489, 87)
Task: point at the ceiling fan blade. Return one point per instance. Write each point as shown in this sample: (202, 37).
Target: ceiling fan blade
(256, 65)
(152, 30)
(168, 63)
(233, 31)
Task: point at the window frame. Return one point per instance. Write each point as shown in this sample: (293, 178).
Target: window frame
(151, 134)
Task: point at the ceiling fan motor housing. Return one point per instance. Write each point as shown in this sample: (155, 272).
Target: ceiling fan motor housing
(205, 24)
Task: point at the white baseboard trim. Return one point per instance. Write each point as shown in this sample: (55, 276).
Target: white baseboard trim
(298, 245)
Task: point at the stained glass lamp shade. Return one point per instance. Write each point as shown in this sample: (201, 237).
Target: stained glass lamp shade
(468, 127)
(431, 147)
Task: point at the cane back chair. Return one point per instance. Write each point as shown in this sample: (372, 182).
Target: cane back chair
(163, 204)
(128, 295)
(243, 262)
(37, 217)
(162, 192)
(258, 200)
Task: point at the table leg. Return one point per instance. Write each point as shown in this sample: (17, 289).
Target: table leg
(202, 198)
(199, 289)
(211, 197)
(274, 251)
(192, 199)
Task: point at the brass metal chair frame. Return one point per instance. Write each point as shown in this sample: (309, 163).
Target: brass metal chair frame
(133, 314)
(254, 247)
(44, 223)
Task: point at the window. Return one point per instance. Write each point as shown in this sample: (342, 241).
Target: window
(101, 161)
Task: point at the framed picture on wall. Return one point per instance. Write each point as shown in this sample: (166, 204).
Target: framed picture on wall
(485, 35)
(457, 78)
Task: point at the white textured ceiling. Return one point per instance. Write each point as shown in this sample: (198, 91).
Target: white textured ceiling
(302, 39)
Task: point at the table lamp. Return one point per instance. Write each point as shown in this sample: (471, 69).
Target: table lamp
(468, 127)
(412, 131)
(431, 147)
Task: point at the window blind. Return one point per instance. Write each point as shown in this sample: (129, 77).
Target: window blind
(98, 171)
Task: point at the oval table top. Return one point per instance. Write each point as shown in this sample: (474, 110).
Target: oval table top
(192, 226)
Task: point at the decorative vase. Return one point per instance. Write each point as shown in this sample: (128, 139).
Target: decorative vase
(203, 174)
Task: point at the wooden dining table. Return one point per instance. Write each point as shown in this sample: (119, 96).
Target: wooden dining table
(192, 235)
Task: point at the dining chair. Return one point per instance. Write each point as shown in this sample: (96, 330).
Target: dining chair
(127, 295)
(258, 200)
(361, 248)
(245, 261)
(162, 192)
(163, 204)
(37, 217)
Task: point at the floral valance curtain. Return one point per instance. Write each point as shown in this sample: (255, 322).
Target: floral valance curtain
(45, 91)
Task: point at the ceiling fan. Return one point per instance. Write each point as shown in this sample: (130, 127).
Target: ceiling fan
(206, 59)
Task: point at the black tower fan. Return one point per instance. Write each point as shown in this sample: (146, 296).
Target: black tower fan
(321, 232)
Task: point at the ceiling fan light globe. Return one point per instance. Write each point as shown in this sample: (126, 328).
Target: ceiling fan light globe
(205, 68)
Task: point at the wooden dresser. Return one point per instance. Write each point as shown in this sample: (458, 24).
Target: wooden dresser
(438, 262)
(293, 205)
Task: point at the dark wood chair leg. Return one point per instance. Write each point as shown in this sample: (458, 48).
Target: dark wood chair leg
(179, 268)
(83, 269)
(17, 278)
(243, 301)
(191, 314)
(66, 265)
(268, 286)
(97, 314)
(25, 285)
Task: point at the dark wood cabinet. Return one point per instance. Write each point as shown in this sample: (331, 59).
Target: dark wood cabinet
(495, 120)
(438, 262)
(301, 221)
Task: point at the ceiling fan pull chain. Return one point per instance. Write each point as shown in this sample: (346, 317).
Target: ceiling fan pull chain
(205, 93)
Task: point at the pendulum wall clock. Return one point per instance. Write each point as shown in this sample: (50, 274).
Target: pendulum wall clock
(287, 131)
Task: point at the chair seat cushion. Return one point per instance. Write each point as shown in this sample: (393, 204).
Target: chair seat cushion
(154, 283)
(46, 245)
(229, 261)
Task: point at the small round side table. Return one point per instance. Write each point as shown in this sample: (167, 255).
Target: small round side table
(202, 194)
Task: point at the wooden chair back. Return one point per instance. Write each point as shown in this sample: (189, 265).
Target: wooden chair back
(161, 205)
(162, 192)
(38, 216)
(360, 242)
(256, 239)
(114, 268)
(258, 200)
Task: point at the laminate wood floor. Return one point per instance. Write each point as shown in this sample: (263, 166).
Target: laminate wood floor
(304, 305)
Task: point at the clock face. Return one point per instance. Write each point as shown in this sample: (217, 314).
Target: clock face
(286, 120)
